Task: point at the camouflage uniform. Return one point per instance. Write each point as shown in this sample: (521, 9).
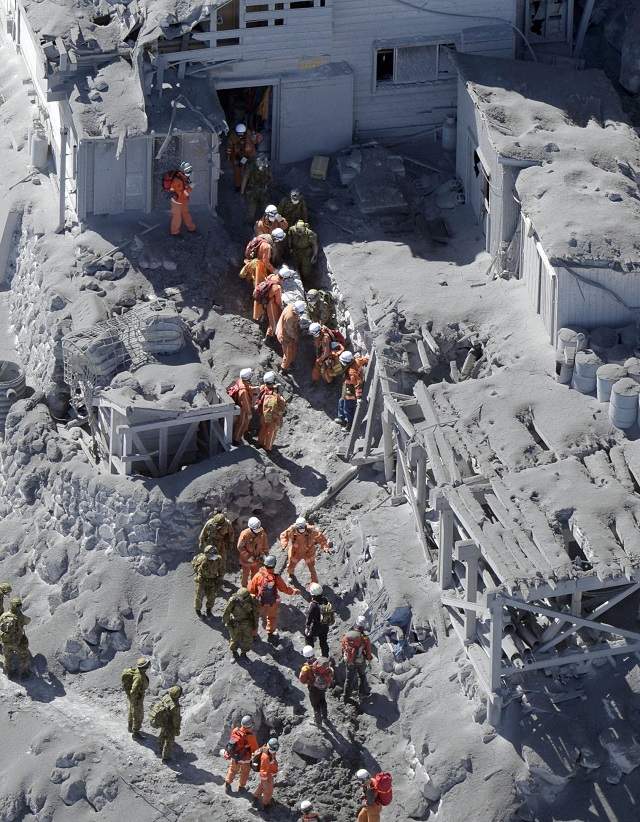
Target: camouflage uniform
(240, 617)
(217, 531)
(170, 727)
(135, 696)
(321, 307)
(209, 573)
(15, 645)
(303, 244)
(256, 190)
(292, 212)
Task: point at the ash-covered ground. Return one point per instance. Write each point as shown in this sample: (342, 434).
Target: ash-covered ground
(567, 749)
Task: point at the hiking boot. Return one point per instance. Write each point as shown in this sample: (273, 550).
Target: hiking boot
(234, 654)
(272, 639)
(198, 613)
(208, 612)
(227, 788)
(137, 735)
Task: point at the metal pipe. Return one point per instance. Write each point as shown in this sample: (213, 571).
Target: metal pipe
(62, 178)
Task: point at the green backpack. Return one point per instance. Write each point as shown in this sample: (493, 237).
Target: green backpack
(128, 675)
(327, 614)
(160, 712)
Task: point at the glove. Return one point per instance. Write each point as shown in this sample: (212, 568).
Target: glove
(243, 161)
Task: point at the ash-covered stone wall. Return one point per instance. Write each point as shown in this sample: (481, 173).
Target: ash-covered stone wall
(46, 476)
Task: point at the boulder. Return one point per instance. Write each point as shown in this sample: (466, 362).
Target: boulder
(72, 791)
(309, 743)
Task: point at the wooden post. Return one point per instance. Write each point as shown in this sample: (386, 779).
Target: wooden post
(576, 603)
(421, 479)
(495, 661)
(445, 543)
(387, 440)
(469, 553)
(163, 440)
(399, 486)
(373, 394)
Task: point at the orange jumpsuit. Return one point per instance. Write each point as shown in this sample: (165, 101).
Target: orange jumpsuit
(255, 271)
(302, 546)
(239, 146)
(273, 306)
(269, 430)
(180, 206)
(243, 764)
(266, 226)
(244, 401)
(268, 771)
(371, 809)
(265, 252)
(269, 612)
(288, 332)
(326, 356)
(251, 550)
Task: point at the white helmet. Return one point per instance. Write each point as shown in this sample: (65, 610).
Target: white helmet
(269, 377)
(315, 589)
(255, 524)
(299, 307)
(305, 806)
(308, 652)
(269, 561)
(285, 272)
(301, 523)
(186, 168)
(315, 329)
(271, 211)
(363, 775)
(346, 357)
(246, 373)
(278, 235)
(361, 622)
(246, 722)
(273, 744)
(241, 128)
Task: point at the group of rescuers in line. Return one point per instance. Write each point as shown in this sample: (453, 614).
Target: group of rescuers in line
(258, 598)
(281, 231)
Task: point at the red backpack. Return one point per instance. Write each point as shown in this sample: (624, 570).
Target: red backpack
(252, 247)
(237, 746)
(261, 292)
(337, 336)
(352, 647)
(382, 785)
(322, 676)
(233, 390)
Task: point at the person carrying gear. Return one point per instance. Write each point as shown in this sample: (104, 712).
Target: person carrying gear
(266, 587)
(178, 184)
(208, 574)
(261, 248)
(5, 590)
(255, 185)
(218, 531)
(321, 307)
(303, 244)
(293, 208)
(241, 149)
(271, 408)
(241, 392)
(267, 764)
(308, 813)
(301, 541)
(352, 385)
(320, 617)
(252, 548)
(288, 332)
(165, 715)
(135, 683)
(317, 675)
(14, 642)
(356, 652)
(267, 296)
(240, 748)
(329, 344)
(377, 792)
(240, 618)
(270, 219)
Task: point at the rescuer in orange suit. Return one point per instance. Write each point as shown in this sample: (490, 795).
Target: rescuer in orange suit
(252, 546)
(180, 193)
(301, 541)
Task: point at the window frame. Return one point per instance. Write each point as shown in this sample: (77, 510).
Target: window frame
(439, 43)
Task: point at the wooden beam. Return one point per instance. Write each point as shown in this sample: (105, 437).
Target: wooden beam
(387, 441)
(419, 520)
(583, 26)
(400, 417)
(429, 340)
(574, 657)
(188, 436)
(445, 545)
(467, 551)
(144, 456)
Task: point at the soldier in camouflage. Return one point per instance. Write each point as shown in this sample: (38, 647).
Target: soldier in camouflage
(169, 720)
(321, 307)
(240, 617)
(15, 645)
(294, 208)
(208, 573)
(136, 683)
(218, 531)
(303, 244)
(256, 186)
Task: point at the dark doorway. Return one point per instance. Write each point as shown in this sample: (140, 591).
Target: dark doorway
(253, 106)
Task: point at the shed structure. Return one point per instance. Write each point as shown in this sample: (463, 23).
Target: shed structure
(550, 169)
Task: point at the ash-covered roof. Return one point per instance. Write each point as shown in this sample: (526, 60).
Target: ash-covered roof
(581, 192)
